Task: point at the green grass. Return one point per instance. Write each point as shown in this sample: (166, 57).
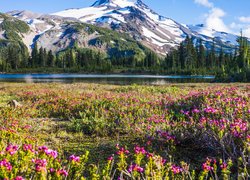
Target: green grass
(75, 118)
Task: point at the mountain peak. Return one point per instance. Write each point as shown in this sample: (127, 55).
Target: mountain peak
(135, 18)
(119, 3)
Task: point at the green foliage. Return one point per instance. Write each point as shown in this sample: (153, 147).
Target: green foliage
(111, 51)
(13, 52)
(13, 24)
(65, 131)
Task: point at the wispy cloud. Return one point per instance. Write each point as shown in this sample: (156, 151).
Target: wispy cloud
(205, 3)
(214, 18)
(241, 26)
(244, 19)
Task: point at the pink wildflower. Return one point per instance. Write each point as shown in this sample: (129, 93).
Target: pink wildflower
(6, 164)
(176, 169)
(40, 164)
(74, 158)
(136, 168)
(139, 150)
(11, 149)
(51, 153)
(19, 178)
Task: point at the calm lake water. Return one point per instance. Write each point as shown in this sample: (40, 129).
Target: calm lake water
(103, 78)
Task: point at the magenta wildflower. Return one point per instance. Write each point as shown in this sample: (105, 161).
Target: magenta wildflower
(51, 153)
(207, 165)
(28, 147)
(43, 148)
(19, 178)
(110, 158)
(74, 158)
(140, 150)
(136, 168)
(63, 172)
(6, 164)
(121, 150)
(12, 149)
(176, 169)
(210, 110)
(52, 170)
(223, 166)
(40, 164)
(238, 127)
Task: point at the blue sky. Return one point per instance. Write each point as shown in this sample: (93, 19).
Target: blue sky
(224, 15)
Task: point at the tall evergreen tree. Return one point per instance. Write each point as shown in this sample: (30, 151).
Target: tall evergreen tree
(41, 57)
(34, 56)
(51, 59)
(201, 55)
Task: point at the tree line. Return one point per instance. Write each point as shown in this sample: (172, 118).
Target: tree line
(193, 58)
(188, 58)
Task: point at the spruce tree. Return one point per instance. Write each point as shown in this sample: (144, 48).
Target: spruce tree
(34, 56)
(201, 55)
(51, 59)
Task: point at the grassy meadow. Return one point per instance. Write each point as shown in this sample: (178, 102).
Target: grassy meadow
(93, 131)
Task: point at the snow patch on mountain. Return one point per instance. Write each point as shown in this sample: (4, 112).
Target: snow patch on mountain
(85, 14)
(213, 34)
(115, 3)
(124, 11)
(133, 17)
(155, 38)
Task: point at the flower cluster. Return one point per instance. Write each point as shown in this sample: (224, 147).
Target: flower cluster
(12, 149)
(48, 152)
(40, 164)
(136, 168)
(139, 150)
(6, 164)
(74, 158)
(207, 166)
(176, 169)
(121, 150)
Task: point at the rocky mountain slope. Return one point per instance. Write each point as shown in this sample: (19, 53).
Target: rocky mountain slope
(111, 26)
(58, 33)
(143, 24)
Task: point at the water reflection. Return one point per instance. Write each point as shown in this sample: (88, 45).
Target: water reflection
(103, 79)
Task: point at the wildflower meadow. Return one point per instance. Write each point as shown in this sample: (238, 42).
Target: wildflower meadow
(90, 131)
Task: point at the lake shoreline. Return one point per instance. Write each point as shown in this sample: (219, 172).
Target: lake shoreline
(124, 79)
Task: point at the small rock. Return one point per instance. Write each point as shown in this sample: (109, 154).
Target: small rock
(14, 104)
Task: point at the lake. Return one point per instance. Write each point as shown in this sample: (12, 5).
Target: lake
(120, 79)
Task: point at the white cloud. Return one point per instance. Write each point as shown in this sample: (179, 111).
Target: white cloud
(235, 25)
(244, 19)
(205, 3)
(214, 20)
(238, 27)
(246, 32)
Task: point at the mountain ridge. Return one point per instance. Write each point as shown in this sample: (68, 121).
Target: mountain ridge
(133, 17)
(154, 30)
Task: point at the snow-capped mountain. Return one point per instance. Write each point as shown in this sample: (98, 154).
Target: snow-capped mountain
(142, 23)
(135, 18)
(60, 30)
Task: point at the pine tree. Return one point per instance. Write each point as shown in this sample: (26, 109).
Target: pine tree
(41, 57)
(221, 60)
(182, 55)
(201, 55)
(45, 57)
(244, 52)
(14, 57)
(34, 56)
(51, 59)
